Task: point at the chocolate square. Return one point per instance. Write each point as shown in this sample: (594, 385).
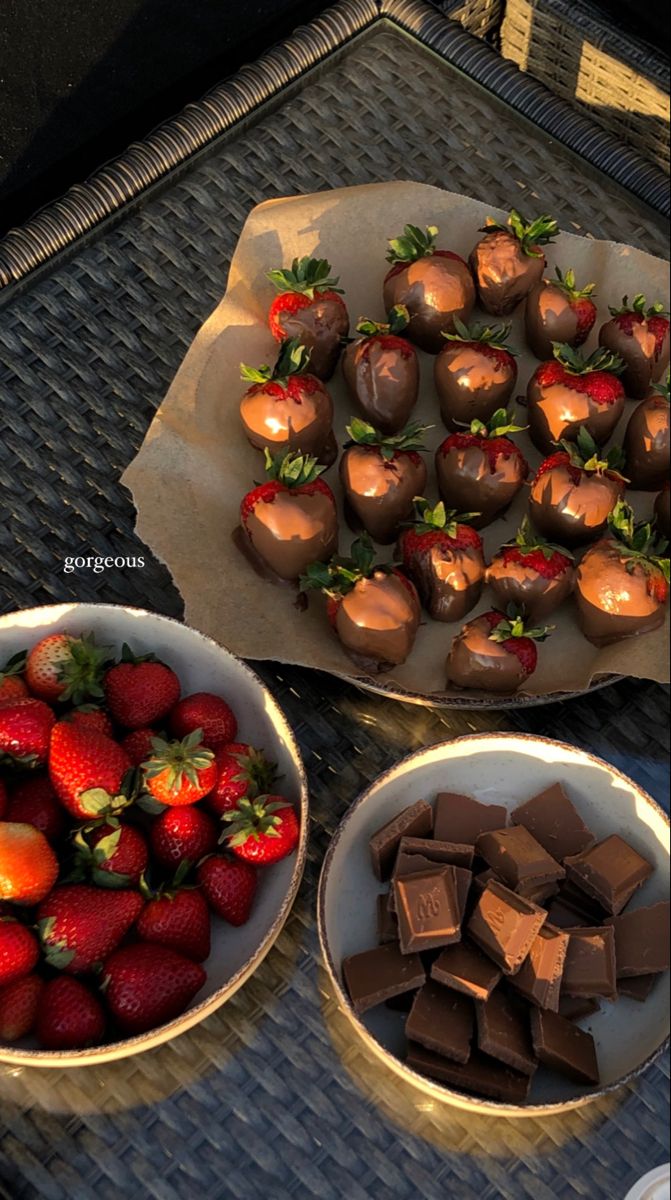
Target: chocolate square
(480, 1076)
(376, 975)
(504, 1033)
(459, 855)
(609, 872)
(415, 821)
(442, 1021)
(539, 978)
(564, 1047)
(427, 907)
(465, 969)
(636, 987)
(462, 819)
(574, 1008)
(555, 822)
(518, 859)
(504, 925)
(642, 940)
(589, 967)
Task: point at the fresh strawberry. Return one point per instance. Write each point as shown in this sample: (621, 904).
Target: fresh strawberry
(481, 470)
(242, 771)
(180, 772)
(435, 286)
(287, 407)
(113, 855)
(146, 985)
(140, 691)
(19, 950)
(443, 556)
(571, 392)
(207, 712)
(381, 477)
(178, 918)
(509, 260)
(138, 744)
(63, 667)
(90, 717)
(28, 865)
(531, 574)
(262, 831)
(19, 1002)
(182, 835)
(559, 311)
(639, 334)
(34, 802)
(309, 307)
(229, 886)
(12, 685)
(25, 730)
(575, 489)
(69, 1016)
(3, 800)
(79, 925)
(87, 770)
(494, 652)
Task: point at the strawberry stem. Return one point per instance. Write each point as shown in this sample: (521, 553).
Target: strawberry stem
(412, 244)
(293, 359)
(307, 276)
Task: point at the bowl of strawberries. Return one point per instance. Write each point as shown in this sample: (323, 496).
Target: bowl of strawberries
(153, 830)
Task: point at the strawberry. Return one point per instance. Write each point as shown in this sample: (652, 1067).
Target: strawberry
(475, 373)
(229, 886)
(531, 574)
(262, 831)
(138, 744)
(180, 772)
(79, 925)
(287, 407)
(435, 286)
(310, 308)
(494, 652)
(179, 919)
(647, 440)
(639, 334)
(147, 985)
(558, 311)
(381, 476)
(182, 835)
(207, 712)
(575, 489)
(34, 802)
(87, 770)
(19, 1003)
(113, 855)
(3, 800)
(19, 950)
(69, 1016)
(63, 667)
(90, 717)
(481, 470)
(242, 771)
(571, 392)
(509, 260)
(381, 370)
(25, 730)
(139, 690)
(443, 556)
(12, 685)
(28, 865)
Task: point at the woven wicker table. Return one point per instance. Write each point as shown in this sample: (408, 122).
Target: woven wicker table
(271, 1098)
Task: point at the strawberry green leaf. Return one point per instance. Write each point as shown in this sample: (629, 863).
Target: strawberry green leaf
(307, 276)
(488, 335)
(413, 244)
(577, 364)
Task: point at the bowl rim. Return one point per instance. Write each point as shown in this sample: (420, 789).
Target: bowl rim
(125, 1047)
(433, 1087)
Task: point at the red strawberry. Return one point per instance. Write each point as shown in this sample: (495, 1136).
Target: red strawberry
(115, 855)
(229, 886)
(69, 1016)
(482, 470)
(262, 831)
(475, 373)
(19, 950)
(87, 770)
(435, 286)
(25, 729)
(287, 407)
(146, 985)
(640, 336)
(182, 835)
(574, 490)
(140, 691)
(28, 865)
(3, 800)
(207, 712)
(381, 370)
(571, 392)
(493, 653)
(309, 307)
(12, 685)
(90, 717)
(63, 667)
(530, 574)
(443, 556)
(138, 744)
(19, 1002)
(558, 311)
(80, 925)
(181, 772)
(242, 771)
(34, 802)
(291, 519)
(381, 477)
(179, 920)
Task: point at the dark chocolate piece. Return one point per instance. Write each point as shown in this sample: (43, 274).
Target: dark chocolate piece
(539, 978)
(427, 906)
(442, 1021)
(462, 819)
(387, 925)
(437, 851)
(539, 893)
(574, 1008)
(480, 1076)
(518, 859)
(415, 821)
(642, 940)
(554, 821)
(583, 904)
(609, 872)
(465, 969)
(402, 1003)
(637, 987)
(377, 975)
(504, 925)
(589, 967)
(564, 1047)
(503, 1031)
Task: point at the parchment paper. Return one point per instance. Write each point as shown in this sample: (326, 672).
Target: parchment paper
(195, 464)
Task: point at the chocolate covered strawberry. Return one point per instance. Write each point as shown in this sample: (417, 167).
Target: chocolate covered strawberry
(531, 574)
(482, 470)
(572, 391)
(647, 445)
(639, 334)
(434, 285)
(287, 407)
(494, 652)
(622, 583)
(290, 520)
(663, 512)
(373, 608)
(474, 373)
(310, 308)
(382, 372)
(442, 554)
(574, 490)
(381, 475)
(557, 310)
(509, 260)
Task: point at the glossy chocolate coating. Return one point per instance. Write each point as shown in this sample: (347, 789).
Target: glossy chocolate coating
(642, 366)
(384, 381)
(378, 620)
(319, 327)
(282, 421)
(503, 273)
(475, 661)
(663, 511)
(613, 603)
(549, 318)
(435, 290)
(379, 492)
(449, 581)
(647, 444)
(557, 411)
(471, 383)
(573, 513)
(521, 585)
(466, 482)
(292, 531)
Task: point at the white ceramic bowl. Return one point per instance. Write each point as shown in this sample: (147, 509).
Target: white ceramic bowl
(202, 665)
(501, 768)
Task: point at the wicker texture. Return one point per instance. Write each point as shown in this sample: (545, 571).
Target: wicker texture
(571, 47)
(270, 1098)
(480, 17)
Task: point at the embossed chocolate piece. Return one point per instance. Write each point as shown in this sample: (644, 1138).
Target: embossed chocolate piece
(540, 976)
(382, 372)
(504, 925)
(558, 311)
(287, 407)
(508, 260)
(482, 470)
(427, 908)
(381, 477)
(442, 1021)
(377, 975)
(564, 1047)
(553, 820)
(571, 391)
(475, 373)
(639, 334)
(443, 556)
(574, 491)
(531, 574)
(494, 653)
(647, 443)
(434, 285)
(310, 308)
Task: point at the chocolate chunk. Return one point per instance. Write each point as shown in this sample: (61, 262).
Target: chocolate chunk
(465, 969)
(564, 1047)
(480, 1076)
(539, 978)
(427, 906)
(442, 1021)
(609, 872)
(377, 975)
(481, 880)
(563, 916)
(642, 940)
(637, 987)
(583, 904)
(460, 855)
(554, 822)
(539, 893)
(387, 926)
(417, 864)
(504, 925)
(415, 821)
(517, 858)
(463, 879)
(589, 967)
(462, 819)
(574, 1008)
(503, 1032)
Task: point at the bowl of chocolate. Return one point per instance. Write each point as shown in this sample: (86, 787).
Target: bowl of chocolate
(494, 917)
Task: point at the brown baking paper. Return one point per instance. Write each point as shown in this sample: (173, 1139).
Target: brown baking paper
(196, 464)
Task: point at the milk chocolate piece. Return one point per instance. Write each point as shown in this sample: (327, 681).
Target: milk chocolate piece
(480, 1076)
(414, 821)
(574, 1008)
(481, 880)
(590, 912)
(609, 872)
(538, 892)
(563, 916)
(564, 1047)
(402, 1003)
(465, 969)
(417, 864)
(637, 987)
(554, 821)
(642, 940)
(518, 858)
(387, 925)
(462, 819)
(442, 1021)
(459, 854)
(503, 1032)
(376, 975)
(539, 978)
(589, 967)
(504, 925)
(427, 907)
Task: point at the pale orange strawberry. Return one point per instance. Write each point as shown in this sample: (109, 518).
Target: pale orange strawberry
(28, 865)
